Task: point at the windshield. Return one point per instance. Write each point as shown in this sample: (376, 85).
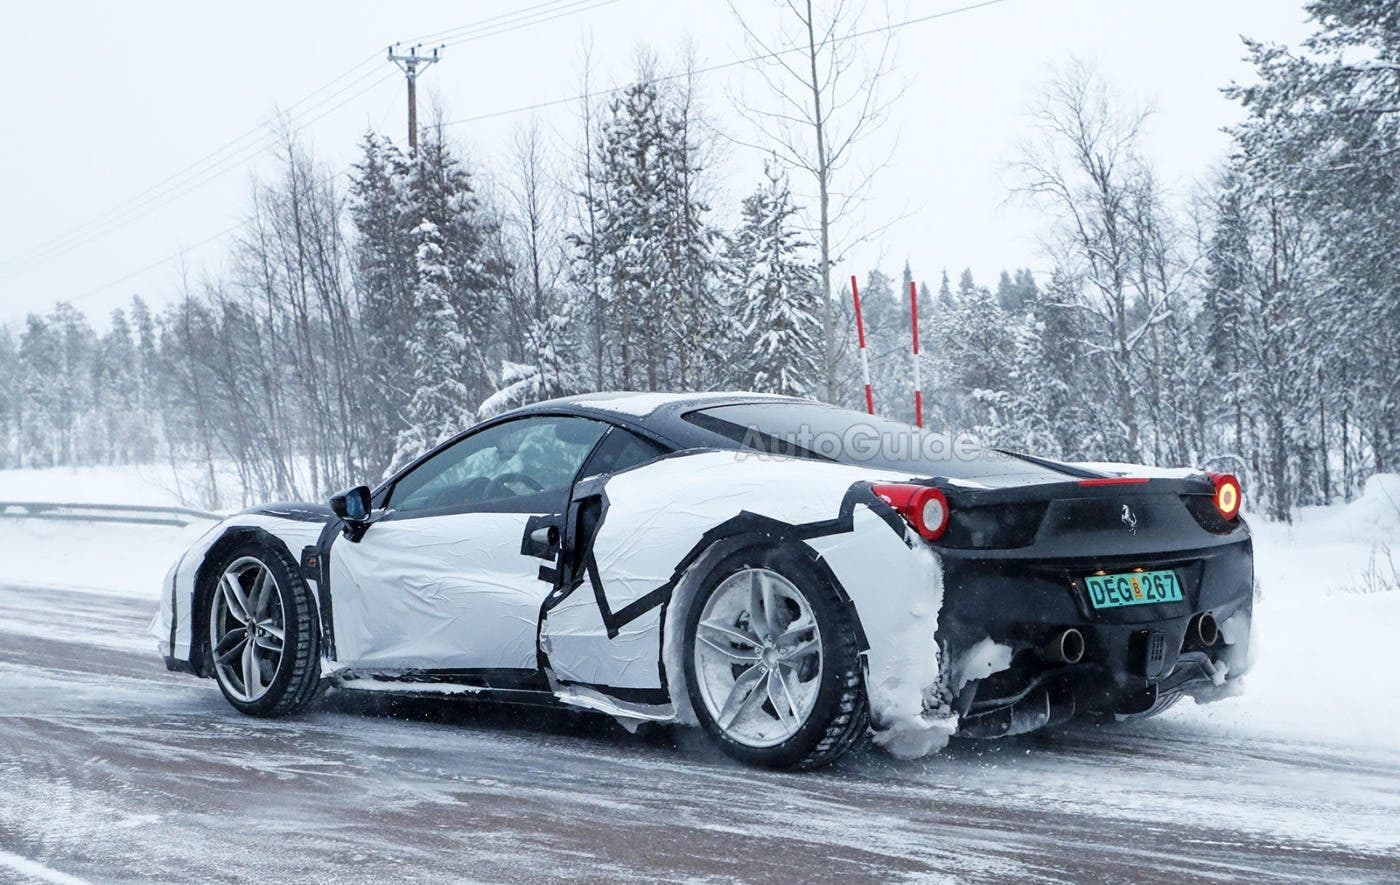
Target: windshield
(827, 433)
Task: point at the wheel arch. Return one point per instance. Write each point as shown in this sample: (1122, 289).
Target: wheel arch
(207, 575)
(718, 547)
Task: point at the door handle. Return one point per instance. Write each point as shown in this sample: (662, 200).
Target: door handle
(545, 536)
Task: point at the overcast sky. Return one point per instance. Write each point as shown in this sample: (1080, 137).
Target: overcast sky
(101, 101)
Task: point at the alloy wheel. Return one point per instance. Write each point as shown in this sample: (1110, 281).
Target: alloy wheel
(758, 657)
(247, 628)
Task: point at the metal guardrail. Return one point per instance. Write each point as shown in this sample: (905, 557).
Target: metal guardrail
(130, 514)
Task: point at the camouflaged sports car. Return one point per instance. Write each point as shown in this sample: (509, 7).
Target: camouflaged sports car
(790, 576)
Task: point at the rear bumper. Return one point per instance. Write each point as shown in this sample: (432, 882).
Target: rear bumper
(1136, 658)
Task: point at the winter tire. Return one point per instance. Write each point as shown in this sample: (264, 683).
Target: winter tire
(263, 641)
(772, 662)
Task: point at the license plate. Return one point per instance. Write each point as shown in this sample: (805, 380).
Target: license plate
(1133, 588)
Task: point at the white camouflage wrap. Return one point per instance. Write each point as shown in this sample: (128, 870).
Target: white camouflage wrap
(656, 516)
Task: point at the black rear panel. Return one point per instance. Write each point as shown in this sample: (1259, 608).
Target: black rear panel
(1022, 596)
(1086, 520)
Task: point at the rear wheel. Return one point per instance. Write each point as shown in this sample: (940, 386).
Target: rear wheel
(772, 662)
(262, 634)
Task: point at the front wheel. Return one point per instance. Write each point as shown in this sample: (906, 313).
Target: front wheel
(772, 662)
(263, 640)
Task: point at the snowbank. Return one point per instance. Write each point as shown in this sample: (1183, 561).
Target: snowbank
(150, 484)
(125, 560)
(128, 560)
(1324, 660)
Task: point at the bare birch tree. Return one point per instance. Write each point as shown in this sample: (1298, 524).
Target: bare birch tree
(827, 98)
(1083, 166)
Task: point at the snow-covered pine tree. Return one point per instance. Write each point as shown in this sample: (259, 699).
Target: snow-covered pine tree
(631, 236)
(946, 301)
(438, 188)
(1324, 131)
(652, 248)
(122, 436)
(383, 253)
(10, 392)
(975, 353)
(774, 289)
(1054, 401)
(39, 364)
(880, 305)
(1016, 293)
(437, 353)
(557, 369)
(76, 344)
(148, 372)
(694, 323)
(1262, 264)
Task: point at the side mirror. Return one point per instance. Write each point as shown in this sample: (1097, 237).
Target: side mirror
(352, 505)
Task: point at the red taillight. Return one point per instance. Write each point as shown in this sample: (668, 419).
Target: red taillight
(923, 507)
(1228, 494)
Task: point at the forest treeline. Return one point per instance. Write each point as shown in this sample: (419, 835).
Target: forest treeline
(1252, 326)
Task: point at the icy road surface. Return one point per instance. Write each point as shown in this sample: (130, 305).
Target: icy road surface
(112, 769)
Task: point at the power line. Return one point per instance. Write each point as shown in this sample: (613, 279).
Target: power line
(574, 98)
(240, 150)
(175, 178)
(732, 63)
(457, 29)
(531, 15)
(179, 189)
(179, 253)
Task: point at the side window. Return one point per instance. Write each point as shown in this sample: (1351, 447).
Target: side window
(524, 465)
(620, 450)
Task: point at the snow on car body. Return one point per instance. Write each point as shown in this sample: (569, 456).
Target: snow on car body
(763, 566)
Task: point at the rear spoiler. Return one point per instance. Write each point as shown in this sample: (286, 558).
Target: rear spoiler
(959, 494)
(1050, 464)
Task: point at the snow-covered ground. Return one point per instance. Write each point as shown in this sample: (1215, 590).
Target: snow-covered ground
(1325, 648)
(151, 484)
(112, 768)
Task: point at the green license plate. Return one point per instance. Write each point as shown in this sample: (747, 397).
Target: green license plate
(1133, 588)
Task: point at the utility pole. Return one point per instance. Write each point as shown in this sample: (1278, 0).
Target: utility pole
(411, 64)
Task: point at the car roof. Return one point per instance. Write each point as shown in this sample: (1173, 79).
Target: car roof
(657, 412)
(639, 404)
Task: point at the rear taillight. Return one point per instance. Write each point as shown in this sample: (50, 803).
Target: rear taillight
(1228, 494)
(923, 507)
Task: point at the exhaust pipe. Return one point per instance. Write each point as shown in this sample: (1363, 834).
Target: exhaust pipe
(1065, 647)
(1205, 630)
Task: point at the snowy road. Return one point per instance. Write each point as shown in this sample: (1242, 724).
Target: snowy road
(111, 768)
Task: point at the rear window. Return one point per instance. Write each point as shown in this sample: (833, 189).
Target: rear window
(828, 433)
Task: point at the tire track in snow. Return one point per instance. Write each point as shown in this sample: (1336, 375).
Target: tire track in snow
(34, 870)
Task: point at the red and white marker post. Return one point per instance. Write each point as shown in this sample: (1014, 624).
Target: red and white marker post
(914, 324)
(864, 357)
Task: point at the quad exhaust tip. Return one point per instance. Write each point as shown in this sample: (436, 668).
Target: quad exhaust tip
(1205, 630)
(1065, 647)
